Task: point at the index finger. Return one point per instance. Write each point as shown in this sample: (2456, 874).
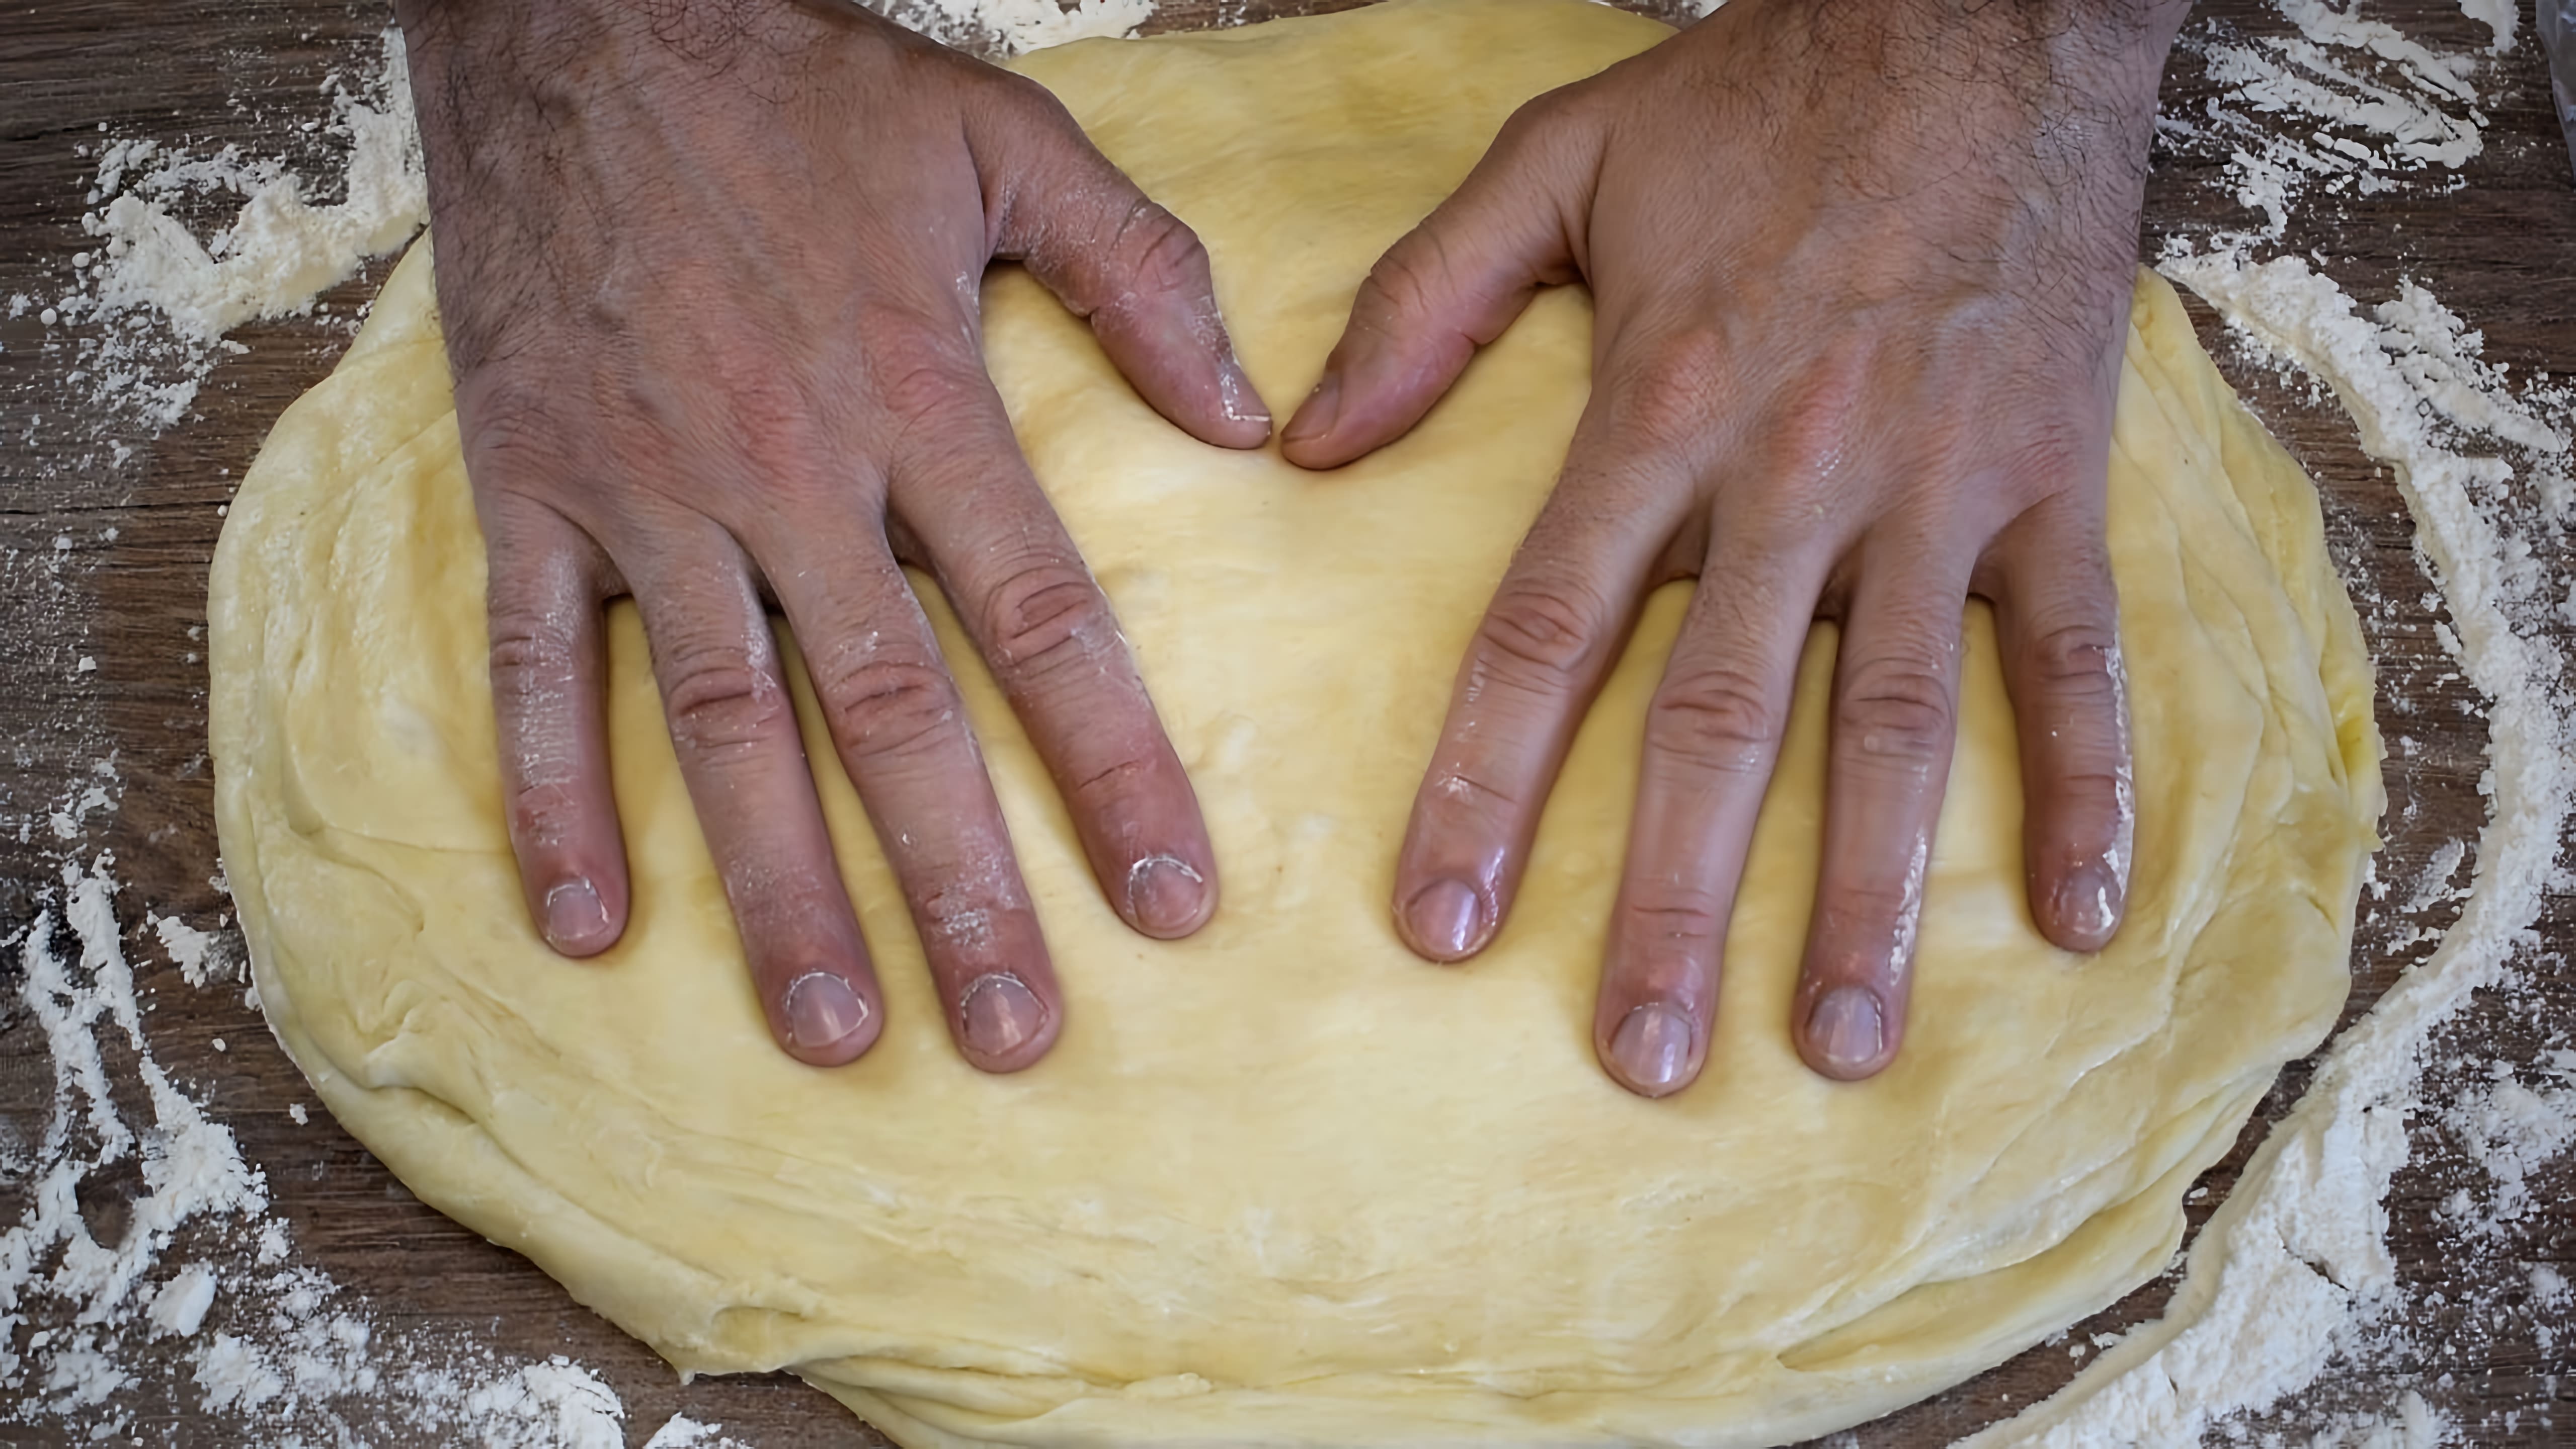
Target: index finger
(1536, 662)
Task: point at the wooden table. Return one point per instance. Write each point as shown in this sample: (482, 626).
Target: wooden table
(2500, 251)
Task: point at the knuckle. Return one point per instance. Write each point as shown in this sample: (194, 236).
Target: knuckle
(882, 708)
(2053, 452)
(1717, 719)
(1009, 88)
(1403, 288)
(1546, 628)
(513, 440)
(531, 666)
(1898, 712)
(1856, 919)
(1672, 912)
(544, 814)
(1545, 116)
(1127, 775)
(2079, 660)
(922, 393)
(1460, 793)
(2091, 798)
(1671, 388)
(1815, 421)
(1045, 614)
(1533, 116)
(722, 704)
(1158, 253)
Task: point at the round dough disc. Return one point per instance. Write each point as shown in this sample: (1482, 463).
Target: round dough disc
(1283, 1183)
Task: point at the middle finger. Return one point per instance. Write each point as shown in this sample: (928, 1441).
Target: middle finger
(1713, 734)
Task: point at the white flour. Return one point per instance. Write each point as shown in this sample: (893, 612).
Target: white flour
(1012, 27)
(2372, 107)
(200, 1258)
(152, 302)
(199, 1299)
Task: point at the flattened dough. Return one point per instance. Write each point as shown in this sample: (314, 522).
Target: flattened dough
(1283, 1183)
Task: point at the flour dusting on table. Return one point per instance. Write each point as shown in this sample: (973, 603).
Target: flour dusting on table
(149, 305)
(2374, 108)
(1015, 27)
(199, 1257)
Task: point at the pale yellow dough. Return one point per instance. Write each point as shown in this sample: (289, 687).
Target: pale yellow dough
(1283, 1183)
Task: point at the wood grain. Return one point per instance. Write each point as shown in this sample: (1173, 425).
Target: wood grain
(104, 556)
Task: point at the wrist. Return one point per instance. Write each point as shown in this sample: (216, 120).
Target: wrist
(544, 38)
(2055, 56)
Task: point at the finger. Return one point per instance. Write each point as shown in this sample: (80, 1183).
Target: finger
(1046, 629)
(2057, 623)
(733, 728)
(1896, 693)
(1538, 658)
(1125, 265)
(549, 676)
(901, 731)
(1713, 735)
(1446, 288)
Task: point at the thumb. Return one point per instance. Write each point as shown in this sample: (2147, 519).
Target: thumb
(1448, 287)
(1123, 264)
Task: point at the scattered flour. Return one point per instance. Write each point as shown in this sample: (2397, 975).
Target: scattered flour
(2366, 107)
(152, 303)
(2513, 1129)
(200, 955)
(280, 250)
(1013, 27)
(275, 1349)
(682, 1432)
(181, 1304)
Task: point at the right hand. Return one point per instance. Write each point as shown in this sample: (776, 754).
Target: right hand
(709, 275)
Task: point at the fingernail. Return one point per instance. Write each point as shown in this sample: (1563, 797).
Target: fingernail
(1445, 919)
(2088, 902)
(1847, 1029)
(1000, 1014)
(1652, 1048)
(574, 915)
(1317, 417)
(821, 1010)
(1165, 897)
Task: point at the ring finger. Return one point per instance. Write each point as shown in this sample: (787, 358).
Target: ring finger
(900, 728)
(1895, 709)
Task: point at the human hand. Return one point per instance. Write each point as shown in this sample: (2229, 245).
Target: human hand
(709, 275)
(1860, 273)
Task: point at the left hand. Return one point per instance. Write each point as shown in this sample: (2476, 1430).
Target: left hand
(1861, 273)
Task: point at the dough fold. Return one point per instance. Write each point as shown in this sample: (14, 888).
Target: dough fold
(1282, 1183)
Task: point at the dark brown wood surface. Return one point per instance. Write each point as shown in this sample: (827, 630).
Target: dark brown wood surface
(2500, 250)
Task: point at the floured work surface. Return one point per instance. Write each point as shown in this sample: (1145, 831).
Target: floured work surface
(1282, 1182)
